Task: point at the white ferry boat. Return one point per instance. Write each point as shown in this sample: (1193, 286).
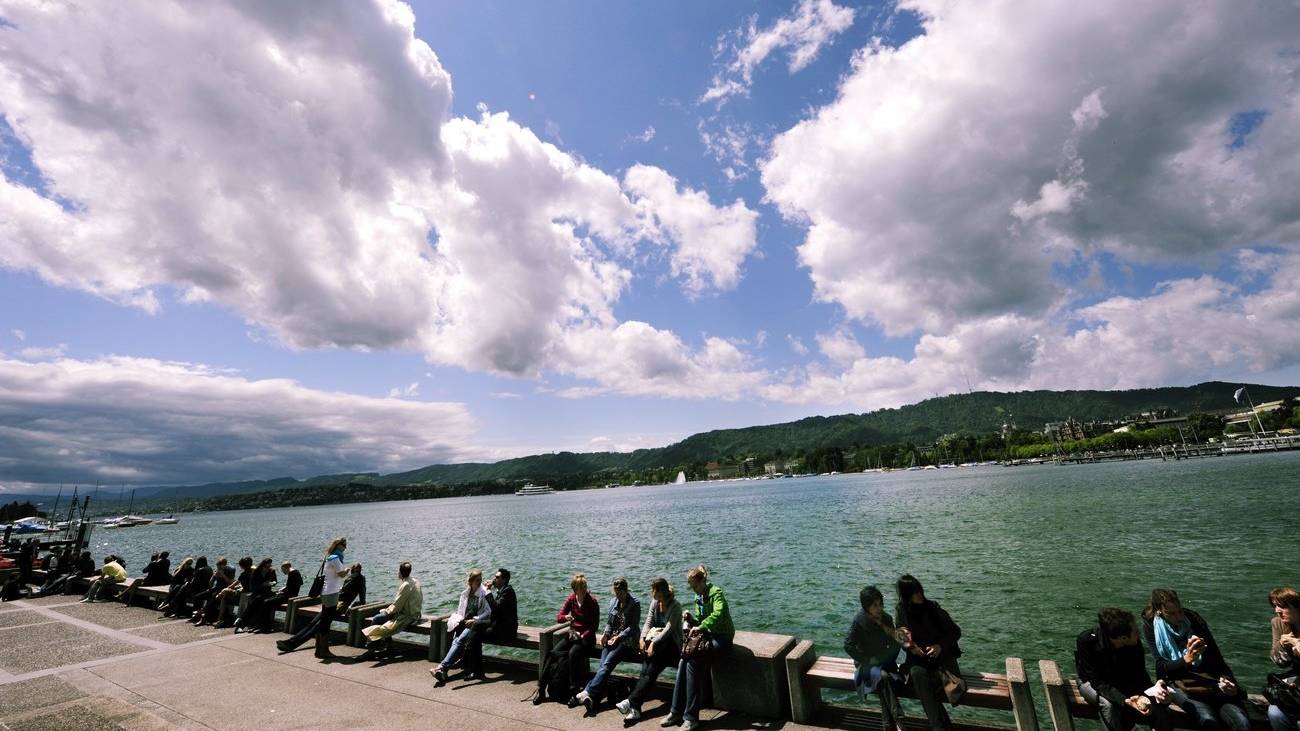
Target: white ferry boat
(531, 489)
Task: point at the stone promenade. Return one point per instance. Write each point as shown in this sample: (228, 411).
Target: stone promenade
(70, 666)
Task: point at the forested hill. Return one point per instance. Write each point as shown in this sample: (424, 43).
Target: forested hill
(921, 423)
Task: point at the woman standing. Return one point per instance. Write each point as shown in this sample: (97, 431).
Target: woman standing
(874, 643)
(932, 648)
(1286, 648)
(661, 643)
(582, 612)
(712, 624)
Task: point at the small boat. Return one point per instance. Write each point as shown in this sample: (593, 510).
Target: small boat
(169, 520)
(531, 489)
(29, 525)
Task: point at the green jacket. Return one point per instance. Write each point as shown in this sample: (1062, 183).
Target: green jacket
(714, 614)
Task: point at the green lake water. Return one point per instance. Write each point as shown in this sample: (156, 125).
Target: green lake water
(1021, 557)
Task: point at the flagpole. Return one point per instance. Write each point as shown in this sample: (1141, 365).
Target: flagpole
(1253, 411)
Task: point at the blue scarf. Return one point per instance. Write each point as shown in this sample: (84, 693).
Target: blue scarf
(1171, 642)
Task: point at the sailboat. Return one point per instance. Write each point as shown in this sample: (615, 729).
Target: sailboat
(169, 520)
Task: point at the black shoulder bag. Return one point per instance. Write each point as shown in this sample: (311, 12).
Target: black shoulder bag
(318, 583)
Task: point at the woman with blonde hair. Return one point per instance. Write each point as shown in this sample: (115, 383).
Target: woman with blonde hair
(582, 613)
(1286, 648)
(712, 630)
(661, 643)
(468, 624)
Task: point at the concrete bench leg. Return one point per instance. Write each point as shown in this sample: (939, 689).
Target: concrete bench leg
(803, 698)
(1058, 705)
(1022, 700)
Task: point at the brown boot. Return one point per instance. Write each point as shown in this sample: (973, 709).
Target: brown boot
(323, 648)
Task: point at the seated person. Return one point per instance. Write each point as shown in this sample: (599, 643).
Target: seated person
(406, 609)
(1285, 652)
(183, 574)
(622, 629)
(228, 598)
(931, 638)
(661, 643)
(206, 602)
(1188, 658)
(1113, 675)
(112, 575)
(264, 618)
(158, 572)
(261, 591)
(180, 598)
(467, 625)
(875, 645)
(713, 622)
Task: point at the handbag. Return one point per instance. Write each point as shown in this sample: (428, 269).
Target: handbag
(318, 583)
(698, 646)
(954, 686)
(1281, 690)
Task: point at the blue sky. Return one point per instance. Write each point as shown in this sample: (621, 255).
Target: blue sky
(492, 230)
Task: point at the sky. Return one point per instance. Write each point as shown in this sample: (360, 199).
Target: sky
(245, 240)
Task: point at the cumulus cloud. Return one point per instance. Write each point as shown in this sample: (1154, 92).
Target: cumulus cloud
(153, 422)
(953, 174)
(802, 34)
(711, 242)
(840, 347)
(297, 164)
(1188, 330)
(43, 352)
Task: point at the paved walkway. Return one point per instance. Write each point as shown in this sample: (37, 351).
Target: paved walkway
(71, 666)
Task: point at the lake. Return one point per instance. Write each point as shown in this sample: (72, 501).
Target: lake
(1021, 557)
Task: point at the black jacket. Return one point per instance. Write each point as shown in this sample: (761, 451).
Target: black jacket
(930, 624)
(504, 624)
(353, 591)
(1212, 662)
(182, 575)
(200, 581)
(292, 584)
(1116, 674)
(86, 567)
(157, 573)
(869, 644)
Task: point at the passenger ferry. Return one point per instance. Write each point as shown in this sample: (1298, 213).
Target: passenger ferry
(531, 489)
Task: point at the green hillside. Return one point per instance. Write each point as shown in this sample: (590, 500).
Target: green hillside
(979, 413)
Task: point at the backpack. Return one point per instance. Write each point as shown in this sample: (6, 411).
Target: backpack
(555, 675)
(11, 591)
(1281, 690)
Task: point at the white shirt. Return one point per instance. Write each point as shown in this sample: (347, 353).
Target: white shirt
(333, 582)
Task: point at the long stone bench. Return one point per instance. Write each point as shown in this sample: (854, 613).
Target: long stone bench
(538, 639)
(807, 674)
(1065, 702)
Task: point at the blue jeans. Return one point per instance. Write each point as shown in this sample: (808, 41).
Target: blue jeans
(465, 640)
(1226, 717)
(692, 678)
(609, 659)
(1280, 720)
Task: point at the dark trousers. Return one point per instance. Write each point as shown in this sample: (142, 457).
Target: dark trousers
(1120, 717)
(1216, 713)
(927, 685)
(695, 681)
(579, 651)
(664, 657)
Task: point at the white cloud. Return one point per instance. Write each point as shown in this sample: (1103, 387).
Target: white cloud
(43, 353)
(19, 334)
(297, 165)
(154, 422)
(796, 344)
(811, 25)
(648, 134)
(711, 242)
(505, 395)
(411, 390)
(952, 175)
(840, 347)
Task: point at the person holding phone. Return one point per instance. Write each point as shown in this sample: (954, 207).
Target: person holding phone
(1188, 658)
(931, 637)
(876, 645)
(1113, 675)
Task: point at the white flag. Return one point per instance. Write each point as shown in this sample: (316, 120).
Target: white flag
(1237, 396)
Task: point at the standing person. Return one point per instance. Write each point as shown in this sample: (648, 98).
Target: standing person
(112, 574)
(712, 621)
(661, 643)
(932, 637)
(262, 591)
(876, 646)
(622, 628)
(1113, 675)
(1187, 657)
(406, 609)
(1286, 649)
(346, 594)
(468, 624)
(582, 613)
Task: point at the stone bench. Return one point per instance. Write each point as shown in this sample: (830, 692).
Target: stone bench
(1065, 702)
(807, 674)
(539, 639)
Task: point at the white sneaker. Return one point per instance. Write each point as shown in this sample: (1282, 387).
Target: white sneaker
(633, 715)
(623, 706)
(671, 719)
(691, 725)
(582, 696)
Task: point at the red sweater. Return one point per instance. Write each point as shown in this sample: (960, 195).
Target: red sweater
(586, 616)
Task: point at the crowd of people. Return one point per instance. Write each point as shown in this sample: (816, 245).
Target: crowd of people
(916, 649)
